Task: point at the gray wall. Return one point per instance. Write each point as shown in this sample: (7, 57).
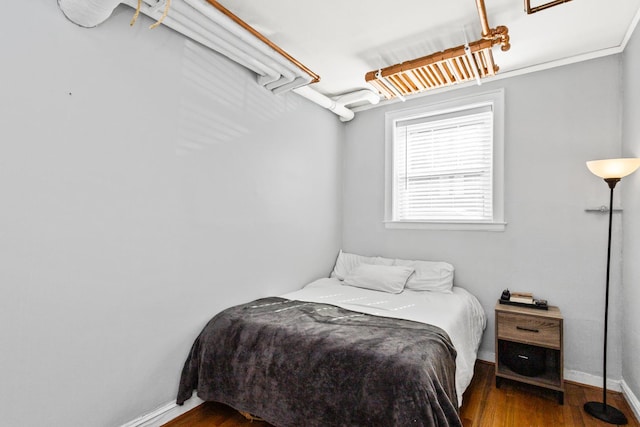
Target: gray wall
(145, 184)
(555, 121)
(123, 227)
(630, 188)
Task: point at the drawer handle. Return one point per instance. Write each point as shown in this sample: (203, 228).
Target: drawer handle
(522, 328)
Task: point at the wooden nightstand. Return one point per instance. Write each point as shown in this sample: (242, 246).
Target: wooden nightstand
(522, 330)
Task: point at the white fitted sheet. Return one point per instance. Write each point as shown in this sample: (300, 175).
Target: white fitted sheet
(458, 313)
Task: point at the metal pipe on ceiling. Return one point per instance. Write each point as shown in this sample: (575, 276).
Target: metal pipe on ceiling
(455, 65)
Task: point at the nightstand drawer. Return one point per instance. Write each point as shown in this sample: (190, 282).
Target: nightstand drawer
(529, 329)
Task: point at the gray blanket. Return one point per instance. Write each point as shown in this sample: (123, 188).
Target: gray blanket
(302, 364)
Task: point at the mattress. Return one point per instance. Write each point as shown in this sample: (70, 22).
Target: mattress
(299, 363)
(458, 313)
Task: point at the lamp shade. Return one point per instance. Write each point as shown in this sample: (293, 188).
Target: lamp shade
(613, 168)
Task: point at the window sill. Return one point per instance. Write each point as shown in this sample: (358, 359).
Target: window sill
(453, 226)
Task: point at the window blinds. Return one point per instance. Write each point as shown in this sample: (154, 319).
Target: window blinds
(443, 167)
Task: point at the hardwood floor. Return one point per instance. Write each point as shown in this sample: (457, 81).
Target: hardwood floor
(484, 405)
(515, 404)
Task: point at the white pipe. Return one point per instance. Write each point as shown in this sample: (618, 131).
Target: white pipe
(276, 72)
(358, 96)
(249, 51)
(326, 102)
(298, 82)
(227, 23)
(197, 27)
(198, 33)
(206, 41)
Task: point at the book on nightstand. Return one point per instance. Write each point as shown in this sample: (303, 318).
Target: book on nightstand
(522, 299)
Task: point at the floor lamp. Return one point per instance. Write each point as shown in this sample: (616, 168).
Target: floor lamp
(611, 170)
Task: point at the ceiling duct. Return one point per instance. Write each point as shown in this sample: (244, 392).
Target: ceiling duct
(210, 24)
(471, 61)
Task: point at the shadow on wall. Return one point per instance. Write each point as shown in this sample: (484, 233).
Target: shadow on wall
(209, 81)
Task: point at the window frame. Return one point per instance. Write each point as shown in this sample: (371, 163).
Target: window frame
(496, 98)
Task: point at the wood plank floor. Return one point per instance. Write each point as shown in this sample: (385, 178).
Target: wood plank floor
(484, 406)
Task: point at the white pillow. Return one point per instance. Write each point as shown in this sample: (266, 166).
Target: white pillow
(346, 262)
(429, 275)
(385, 278)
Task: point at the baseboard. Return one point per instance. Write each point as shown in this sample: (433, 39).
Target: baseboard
(164, 414)
(591, 380)
(569, 375)
(632, 399)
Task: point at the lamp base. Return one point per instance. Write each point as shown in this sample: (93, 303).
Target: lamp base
(606, 413)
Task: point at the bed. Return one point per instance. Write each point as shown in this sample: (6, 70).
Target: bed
(382, 342)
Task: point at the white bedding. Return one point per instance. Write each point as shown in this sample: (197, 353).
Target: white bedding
(459, 314)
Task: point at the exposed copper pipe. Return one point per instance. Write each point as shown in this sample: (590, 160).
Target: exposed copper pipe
(451, 66)
(253, 31)
(429, 59)
(500, 34)
(484, 21)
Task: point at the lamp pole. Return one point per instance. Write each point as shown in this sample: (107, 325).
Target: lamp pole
(611, 170)
(612, 184)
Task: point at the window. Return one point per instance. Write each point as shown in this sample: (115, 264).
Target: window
(445, 165)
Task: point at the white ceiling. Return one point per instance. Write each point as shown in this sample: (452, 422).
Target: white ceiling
(341, 40)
